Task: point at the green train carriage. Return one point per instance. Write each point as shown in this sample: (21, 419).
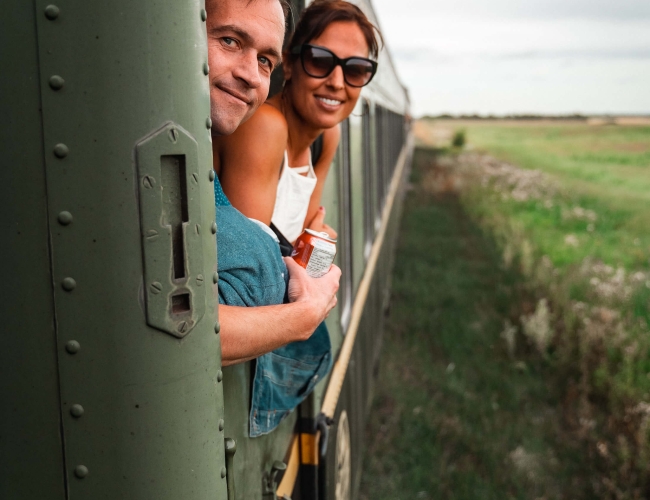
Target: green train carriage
(111, 379)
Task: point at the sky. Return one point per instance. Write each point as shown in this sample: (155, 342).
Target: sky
(526, 56)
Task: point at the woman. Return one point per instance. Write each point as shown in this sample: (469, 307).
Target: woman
(265, 167)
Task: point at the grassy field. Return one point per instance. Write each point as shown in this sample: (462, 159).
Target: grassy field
(603, 169)
(517, 358)
(456, 415)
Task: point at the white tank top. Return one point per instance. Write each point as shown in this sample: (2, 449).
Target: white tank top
(292, 198)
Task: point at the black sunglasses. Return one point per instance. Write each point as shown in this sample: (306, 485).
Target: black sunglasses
(319, 62)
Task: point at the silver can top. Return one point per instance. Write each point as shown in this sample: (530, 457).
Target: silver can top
(319, 234)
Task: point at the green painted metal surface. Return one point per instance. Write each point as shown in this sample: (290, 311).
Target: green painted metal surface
(100, 402)
(31, 457)
(255, 456)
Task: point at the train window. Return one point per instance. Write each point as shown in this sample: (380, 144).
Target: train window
(345, 225)
(395, 139)
(389, 136)
(369, 178)
(378, 169)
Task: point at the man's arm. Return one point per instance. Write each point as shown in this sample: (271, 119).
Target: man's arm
(249, 332)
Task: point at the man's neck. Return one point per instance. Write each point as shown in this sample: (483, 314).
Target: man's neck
(216, 153)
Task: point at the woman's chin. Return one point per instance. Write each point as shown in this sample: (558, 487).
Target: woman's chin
(325, 122)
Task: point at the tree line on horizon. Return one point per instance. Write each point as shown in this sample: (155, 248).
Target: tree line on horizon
(476, 116)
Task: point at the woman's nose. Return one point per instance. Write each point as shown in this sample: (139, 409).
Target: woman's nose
(336, 78)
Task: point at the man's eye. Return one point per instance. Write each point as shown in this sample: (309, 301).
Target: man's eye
(265, 61)
(230, 42)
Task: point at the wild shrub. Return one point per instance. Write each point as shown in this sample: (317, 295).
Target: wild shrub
(458, 140)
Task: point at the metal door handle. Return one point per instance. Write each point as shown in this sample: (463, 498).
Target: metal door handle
(231, 448)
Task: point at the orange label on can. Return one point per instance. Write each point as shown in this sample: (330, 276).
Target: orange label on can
(315, 252)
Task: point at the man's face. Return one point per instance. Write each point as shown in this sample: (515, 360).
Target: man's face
(244, 46)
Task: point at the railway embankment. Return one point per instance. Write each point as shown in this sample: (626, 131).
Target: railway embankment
(517, 358)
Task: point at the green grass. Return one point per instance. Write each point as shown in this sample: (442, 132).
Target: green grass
(604, 169)
(455, 416)
(574, 399)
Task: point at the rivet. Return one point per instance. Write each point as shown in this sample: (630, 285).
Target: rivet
(221, 424)
(81, 471)
(61, 150)
(199, 280)
(215, 277)
(206, 68)
(68, 284)
(211, 175)
(76, 410)
(204, 15)
(223, 472)
(217, 327)
(65, 218)
(197, 228)
(52, 12)
(182, 327)
(213, 228)
(56, 82)
(208, 122)
(195, 177)
(155, 287)
(219, 376)
(72, 346)
(148, 181)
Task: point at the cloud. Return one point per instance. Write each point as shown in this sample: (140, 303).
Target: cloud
(597, 53)
(425, 55)
(506, 56)
(530, 9)
(418, 54)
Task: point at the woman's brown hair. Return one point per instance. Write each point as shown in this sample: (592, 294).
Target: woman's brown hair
(321, 13)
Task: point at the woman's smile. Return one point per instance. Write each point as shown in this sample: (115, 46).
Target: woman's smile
(329, 102)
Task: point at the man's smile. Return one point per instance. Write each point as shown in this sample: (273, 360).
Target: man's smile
(239, 96)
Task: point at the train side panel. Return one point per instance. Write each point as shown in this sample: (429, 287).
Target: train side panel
(111, 359)
(30, 437)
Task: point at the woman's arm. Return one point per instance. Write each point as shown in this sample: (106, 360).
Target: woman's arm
(250, 162)
(321, 169)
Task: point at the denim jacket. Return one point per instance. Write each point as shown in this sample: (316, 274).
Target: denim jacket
(252, 273)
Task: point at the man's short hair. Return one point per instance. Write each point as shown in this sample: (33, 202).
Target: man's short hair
(286, 10)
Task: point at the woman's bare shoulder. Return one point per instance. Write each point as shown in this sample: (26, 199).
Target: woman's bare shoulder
(269, 122)
(331, 137)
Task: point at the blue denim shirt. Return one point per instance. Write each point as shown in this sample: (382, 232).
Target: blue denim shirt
(252, 273)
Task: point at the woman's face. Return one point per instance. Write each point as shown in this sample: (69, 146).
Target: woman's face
(326, 102)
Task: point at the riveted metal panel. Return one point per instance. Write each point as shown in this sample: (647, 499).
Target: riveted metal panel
(31, 454)
(139, 411)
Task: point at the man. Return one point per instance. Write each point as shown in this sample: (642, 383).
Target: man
(244, 46)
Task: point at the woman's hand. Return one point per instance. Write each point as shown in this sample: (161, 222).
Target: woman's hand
(318, 224)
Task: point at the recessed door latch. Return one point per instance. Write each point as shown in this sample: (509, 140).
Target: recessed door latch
(170, 214)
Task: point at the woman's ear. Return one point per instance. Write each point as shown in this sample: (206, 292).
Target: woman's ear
(287, 66)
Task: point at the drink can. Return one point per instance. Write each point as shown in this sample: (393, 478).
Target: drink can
(315, 252)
